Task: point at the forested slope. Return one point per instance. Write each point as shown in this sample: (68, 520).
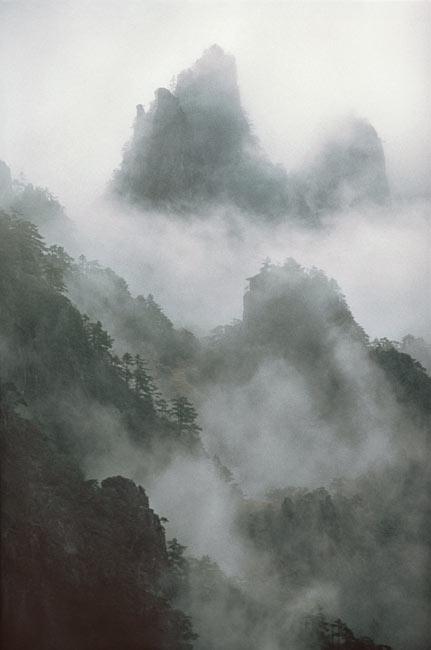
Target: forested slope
(87, 565)
(82, 564)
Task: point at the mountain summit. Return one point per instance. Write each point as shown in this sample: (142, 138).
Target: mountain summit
(350, 168)
(194, 148)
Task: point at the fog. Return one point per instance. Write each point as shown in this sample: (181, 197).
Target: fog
(379, 256)
(270, 434)
(74, 71)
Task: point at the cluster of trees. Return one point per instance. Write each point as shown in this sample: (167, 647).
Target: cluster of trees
(138, 325)
(134, 371)
(418, 349)
(320, 632)
(409, 380)
(82, 564)
(34, 203)
(352, 539)
(295, 313)
(301, 316)
(228, 617)
(63, 352)
(24, 252)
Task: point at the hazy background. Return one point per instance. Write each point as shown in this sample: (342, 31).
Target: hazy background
(73, 72)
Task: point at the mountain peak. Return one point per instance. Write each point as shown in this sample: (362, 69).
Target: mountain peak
(214, 58)
(195, 148)
(212, 81)
(350, 168)
(215, 50)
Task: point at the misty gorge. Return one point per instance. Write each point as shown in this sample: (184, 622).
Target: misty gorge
(215, 343)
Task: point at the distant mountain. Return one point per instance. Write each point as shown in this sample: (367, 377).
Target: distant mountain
(300, 317)
(35, 204)
(349, 169)
(138, 325)
(194, 148)
(290, 313)
(418, 349)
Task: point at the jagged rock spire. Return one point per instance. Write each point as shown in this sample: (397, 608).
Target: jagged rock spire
(194, 148)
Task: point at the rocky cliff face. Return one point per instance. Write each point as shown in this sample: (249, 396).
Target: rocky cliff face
(81, 562)
(195, 147)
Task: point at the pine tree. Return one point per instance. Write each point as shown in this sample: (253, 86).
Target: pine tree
(57, 263)
(117, 364)
(82, 264)
(185, 416)
(99, 340)
(143, 383)
(126, 367)
(178, 576)
(160, 403)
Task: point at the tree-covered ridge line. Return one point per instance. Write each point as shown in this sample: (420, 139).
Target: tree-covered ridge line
(71, 352)
(138, 324)
(194, 581)
(31, 202)
(302, 315)
(331, 635)
(354, 536)
(51, 353)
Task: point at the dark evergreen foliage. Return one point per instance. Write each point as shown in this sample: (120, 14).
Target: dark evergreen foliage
(408, 378)
(138, 325)
(35, 204)
(185, 417)
(319, 632)
(63, 355)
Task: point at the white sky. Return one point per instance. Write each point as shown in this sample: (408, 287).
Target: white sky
(72, 74)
